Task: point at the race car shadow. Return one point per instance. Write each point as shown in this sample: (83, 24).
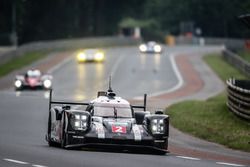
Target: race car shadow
(125, 150)
(116, 149)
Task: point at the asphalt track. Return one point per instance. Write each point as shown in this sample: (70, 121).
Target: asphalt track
(24, 114)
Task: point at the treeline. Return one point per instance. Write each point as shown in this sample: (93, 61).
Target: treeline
(54, 19)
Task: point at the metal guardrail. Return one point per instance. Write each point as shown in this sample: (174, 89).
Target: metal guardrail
(239, 97)
(69, 44)
(232, 44)
(237, 62)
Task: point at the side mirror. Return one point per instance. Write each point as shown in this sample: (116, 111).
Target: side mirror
(101, 93)
(159, 112)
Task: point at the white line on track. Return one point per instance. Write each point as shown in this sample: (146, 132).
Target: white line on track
(228, 164)
(16, 161)
(22, 162)
(38, 165)
(178, 75)
(189, 158)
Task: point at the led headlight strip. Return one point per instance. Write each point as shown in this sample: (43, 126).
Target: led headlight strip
(47, 83)
(18, 83)
(157, 126)
(157, 48)
(80, 122)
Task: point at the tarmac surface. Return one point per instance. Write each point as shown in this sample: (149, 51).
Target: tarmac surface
(176, 75)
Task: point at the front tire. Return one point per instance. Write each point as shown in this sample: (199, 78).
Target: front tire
(64, 138)
(50, 142)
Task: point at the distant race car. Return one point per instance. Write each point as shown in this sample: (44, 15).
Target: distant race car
(150, 47)
(108, 121)
(33, 79)
(90, 55)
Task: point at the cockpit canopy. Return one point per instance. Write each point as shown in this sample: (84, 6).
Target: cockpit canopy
(33, 73)
(112, 111)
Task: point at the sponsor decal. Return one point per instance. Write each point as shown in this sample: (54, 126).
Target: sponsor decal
(137, 132)
(119, 129)
(100, 131)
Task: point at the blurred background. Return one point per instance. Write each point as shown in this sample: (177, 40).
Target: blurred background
(23, 21)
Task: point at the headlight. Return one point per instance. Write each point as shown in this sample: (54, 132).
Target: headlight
(47, 83)
(154, 121)
(154, 128)
(157, 126)
(99, 56)
(81, 56)
(84, 117)
(79, 122)
(18, 83)
(143, 48)
(77, 116)
(161, 121)
(157, 48)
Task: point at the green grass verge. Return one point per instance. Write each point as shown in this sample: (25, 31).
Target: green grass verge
(222, 68)
(20, 62)
(245, 55)
(210, 119)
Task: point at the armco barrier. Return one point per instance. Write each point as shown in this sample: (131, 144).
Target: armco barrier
(239, 97)
(69, 44)
(237, 62)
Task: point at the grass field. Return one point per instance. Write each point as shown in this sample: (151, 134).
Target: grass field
(20, 62)
(210, 119)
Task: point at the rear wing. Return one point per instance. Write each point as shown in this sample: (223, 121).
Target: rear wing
(86, 104)
(63, 102)
(144, 107)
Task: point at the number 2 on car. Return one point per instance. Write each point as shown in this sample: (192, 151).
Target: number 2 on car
(119, 129)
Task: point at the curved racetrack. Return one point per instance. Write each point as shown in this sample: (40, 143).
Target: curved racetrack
(24, 115)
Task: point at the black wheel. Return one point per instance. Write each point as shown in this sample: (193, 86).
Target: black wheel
(64, 138)
(161, 152)
(50, 142)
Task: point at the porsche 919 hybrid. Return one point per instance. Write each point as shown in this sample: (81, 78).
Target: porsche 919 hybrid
(108, 121)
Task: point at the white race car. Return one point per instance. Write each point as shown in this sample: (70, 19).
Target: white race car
(150, 47)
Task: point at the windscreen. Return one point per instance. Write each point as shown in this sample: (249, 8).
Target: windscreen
(109, 111)
(33, 74)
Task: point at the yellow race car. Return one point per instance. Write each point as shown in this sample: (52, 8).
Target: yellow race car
(90, 55)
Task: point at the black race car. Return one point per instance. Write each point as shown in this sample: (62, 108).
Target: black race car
(33, 79)
(108, 121)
